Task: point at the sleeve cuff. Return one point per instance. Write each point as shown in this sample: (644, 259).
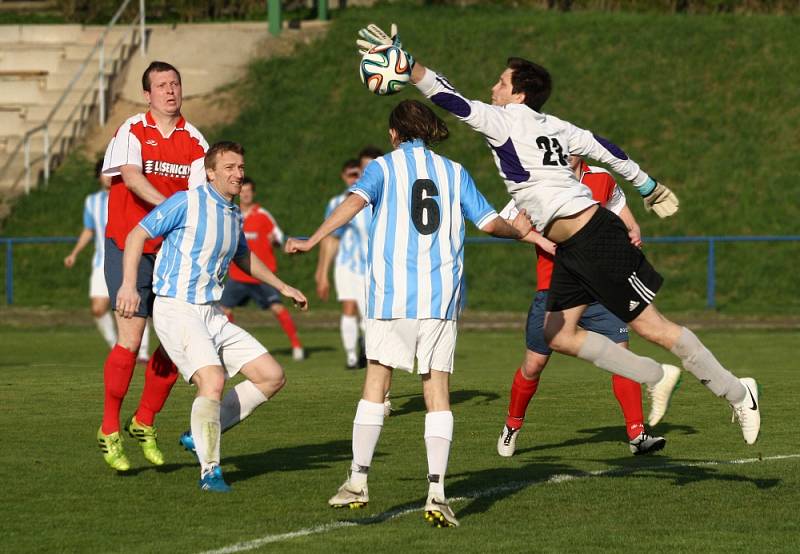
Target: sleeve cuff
(490, 216)
(362, 193)
(427, 83)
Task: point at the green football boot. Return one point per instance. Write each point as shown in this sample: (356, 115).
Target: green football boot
(146, 435)
(113, 454)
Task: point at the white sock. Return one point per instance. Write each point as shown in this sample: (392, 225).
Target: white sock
(605, 354)
(438, 438)
(349, 328)
(239, 403)
(144, 347)
(366, 432)
(206, 432)
(105, 324)
(700, 362)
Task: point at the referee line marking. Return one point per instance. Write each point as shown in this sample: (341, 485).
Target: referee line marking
(492, 491)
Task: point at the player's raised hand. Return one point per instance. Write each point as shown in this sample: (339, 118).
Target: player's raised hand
(522, 223)
(297, 297)
(297, 246)
(372, 35)
(127, 301)
(660, 199)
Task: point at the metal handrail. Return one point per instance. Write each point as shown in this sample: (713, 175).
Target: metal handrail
(100, 75)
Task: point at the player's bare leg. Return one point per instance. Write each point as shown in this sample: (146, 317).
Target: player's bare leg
(348, 327)
(526, 382)
(206, 429)
(367, 427)
(100, 306)
(438, 438)
(742, 394)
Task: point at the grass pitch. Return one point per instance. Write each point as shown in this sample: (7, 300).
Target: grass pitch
(572, 486)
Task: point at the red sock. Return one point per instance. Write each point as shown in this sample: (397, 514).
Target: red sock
(117, 373)
(288, 327)
(161, 374)
(629, 396)
(521, 393)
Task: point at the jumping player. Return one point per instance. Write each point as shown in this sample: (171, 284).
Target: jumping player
(348, 246)
(189, 322)
(596, 318)
(416, 244)
(262, 233)
(595, 261)
(151, 156)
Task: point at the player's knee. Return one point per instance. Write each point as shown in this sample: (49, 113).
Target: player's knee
(531, 369)
(98, 311)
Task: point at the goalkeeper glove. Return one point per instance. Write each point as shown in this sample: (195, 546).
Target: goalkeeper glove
(372, 36)
(658, 198)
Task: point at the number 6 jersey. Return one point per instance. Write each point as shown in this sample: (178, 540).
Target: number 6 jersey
(530, 150)
(415, 264)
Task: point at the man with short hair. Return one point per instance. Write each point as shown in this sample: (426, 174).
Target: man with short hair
(348, 247)
(151, 156)
(95, 216)
(262, 233)
(187, 281)
(596, 318)
(420, 203)
(594, 260)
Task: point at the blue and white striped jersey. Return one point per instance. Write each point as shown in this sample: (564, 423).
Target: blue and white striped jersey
(416, 248)
(202, 234)
(95, 216)
(353, 237)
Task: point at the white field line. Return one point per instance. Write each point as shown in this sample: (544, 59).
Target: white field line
(493, 491)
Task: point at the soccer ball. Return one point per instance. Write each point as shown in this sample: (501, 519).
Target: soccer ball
(385, 69)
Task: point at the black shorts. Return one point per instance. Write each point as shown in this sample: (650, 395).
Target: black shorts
(144, 278)
(237, 293)
(599, 264)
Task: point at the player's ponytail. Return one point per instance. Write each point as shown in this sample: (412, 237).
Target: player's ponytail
(412, 119)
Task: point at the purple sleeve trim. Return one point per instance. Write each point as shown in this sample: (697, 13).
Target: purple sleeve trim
(611, 147)
(452, 103)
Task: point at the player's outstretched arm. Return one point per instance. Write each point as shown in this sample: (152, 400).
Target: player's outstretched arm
(343, 213)
(250, 264)
(128, 298)
(83, 239)
(328, 248)
(520, 226)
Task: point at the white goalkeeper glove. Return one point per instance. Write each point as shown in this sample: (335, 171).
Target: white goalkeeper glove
(659, 198)
(372, 36)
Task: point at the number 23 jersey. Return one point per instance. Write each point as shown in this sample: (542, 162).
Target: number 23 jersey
(415, 264)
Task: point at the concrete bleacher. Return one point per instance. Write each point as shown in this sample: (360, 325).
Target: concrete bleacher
(37, 63)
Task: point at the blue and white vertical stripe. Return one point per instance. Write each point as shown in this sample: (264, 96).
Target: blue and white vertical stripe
(95, 216)
(202, 233)
(353, 237)
(410, 274)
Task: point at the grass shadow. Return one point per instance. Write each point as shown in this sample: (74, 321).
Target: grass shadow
(416, 403)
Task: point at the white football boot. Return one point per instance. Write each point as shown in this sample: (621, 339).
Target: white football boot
(645, 444)
(507, 442)
(439, 513)
(748, 411)
(661, 392)
(350, 496)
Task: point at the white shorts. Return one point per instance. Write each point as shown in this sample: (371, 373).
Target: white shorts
(396, 342)
(196, 336)
(350, 286)
(97, 283)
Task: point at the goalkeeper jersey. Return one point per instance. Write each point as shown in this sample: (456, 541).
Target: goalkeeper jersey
(416, 246)
(530, 150)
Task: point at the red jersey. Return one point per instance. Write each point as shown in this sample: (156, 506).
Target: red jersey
(171, 164)
(604, 190)
(260, 230)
